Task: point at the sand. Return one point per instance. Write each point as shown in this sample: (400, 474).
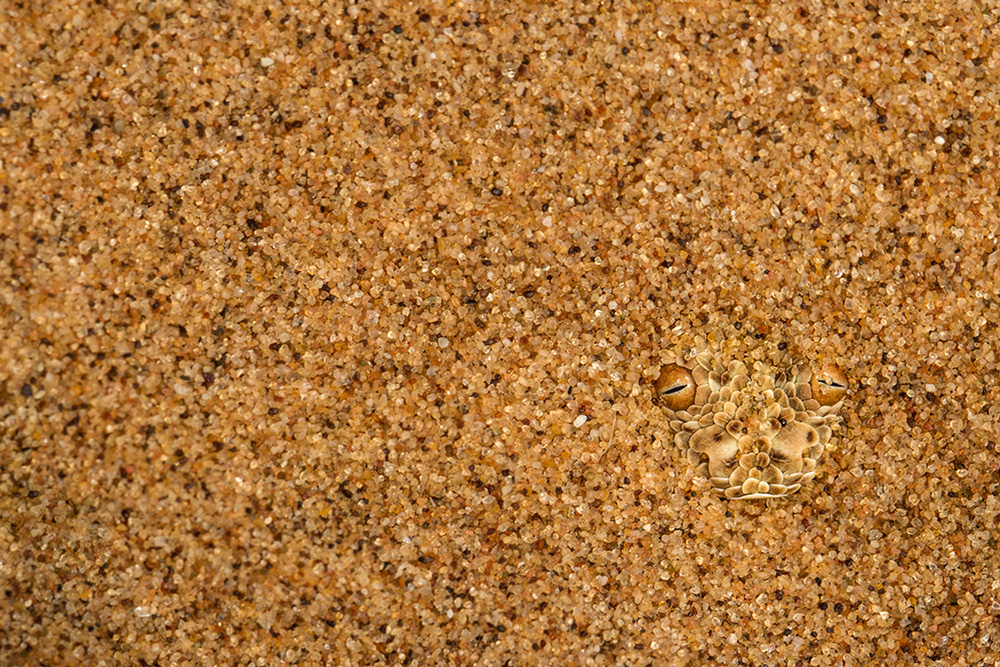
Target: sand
(327, 334)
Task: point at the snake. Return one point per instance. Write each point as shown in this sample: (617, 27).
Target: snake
(755, 432)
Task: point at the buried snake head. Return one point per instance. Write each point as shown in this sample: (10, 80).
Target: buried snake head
(755, 433)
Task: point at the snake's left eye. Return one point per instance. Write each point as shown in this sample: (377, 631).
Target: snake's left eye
(828, 384)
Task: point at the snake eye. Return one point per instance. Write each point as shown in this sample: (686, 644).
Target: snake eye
(828, 384)
(675, 387)
(783, 422)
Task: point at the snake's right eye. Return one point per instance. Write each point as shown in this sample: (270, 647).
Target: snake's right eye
(675, 387)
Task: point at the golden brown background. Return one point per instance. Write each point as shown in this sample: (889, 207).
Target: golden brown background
(326, 330)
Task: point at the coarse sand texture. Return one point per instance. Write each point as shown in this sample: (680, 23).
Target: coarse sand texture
(499, 333)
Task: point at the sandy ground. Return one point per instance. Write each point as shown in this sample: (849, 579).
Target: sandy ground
(327, 333)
